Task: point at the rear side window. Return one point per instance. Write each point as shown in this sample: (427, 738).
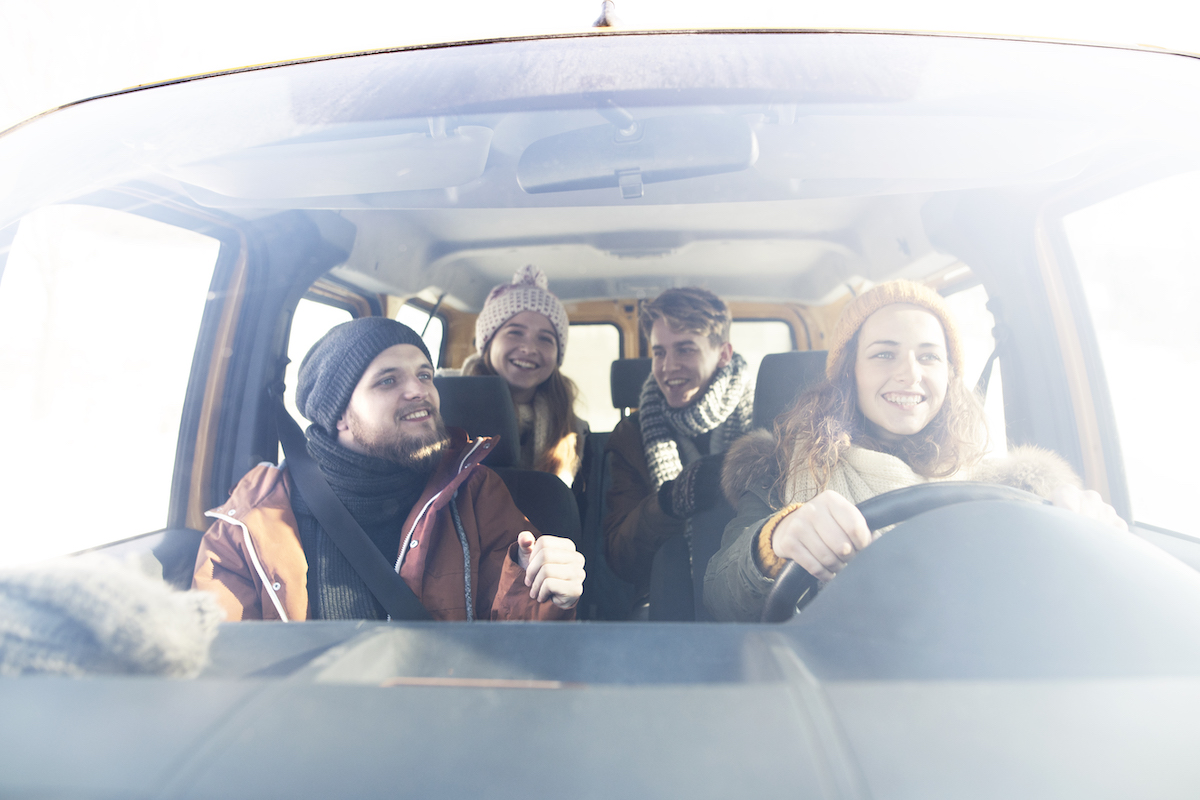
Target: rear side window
(99, 313)
(591, 349)
(1139, 257)
(310, 322)
(431, 327)
(755, 338)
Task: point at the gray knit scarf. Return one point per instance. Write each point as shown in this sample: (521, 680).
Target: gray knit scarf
(379, 494)
(726, 408)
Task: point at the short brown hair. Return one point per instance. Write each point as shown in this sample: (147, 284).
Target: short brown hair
(692, 309)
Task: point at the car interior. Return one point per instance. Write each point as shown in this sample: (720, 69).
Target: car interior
(169, 253)
(408, 185)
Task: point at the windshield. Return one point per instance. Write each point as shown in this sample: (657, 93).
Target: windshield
(769, 168)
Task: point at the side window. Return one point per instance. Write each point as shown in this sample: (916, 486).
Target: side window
(591, 349)
(310, 322)
(1137, 254)
(755, 338)
(975, 325)
(99, 314)
(431, 328)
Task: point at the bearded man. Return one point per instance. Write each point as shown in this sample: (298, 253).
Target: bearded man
(416, 489)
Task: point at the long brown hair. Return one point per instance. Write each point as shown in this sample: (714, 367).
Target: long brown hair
(560, 393)
(824, 422)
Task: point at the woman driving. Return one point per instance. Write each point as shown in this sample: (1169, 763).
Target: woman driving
(521, 335)
(893, 412)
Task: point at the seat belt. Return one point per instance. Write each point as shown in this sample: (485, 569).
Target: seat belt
(396, 596)
(986, 376)
(1000, 337)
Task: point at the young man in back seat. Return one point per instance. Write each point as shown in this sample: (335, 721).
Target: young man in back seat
(666, 457)
(416, 489)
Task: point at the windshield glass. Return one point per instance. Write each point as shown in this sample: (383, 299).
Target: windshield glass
(787, 168)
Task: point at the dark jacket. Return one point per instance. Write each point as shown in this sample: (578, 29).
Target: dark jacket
(635, 526)
(252, 560)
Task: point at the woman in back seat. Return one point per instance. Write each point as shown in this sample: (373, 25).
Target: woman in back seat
(521, 335)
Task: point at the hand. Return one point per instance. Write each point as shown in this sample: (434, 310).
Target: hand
(553, 568)
(823, 535)
(1088, 503)
(697, 488)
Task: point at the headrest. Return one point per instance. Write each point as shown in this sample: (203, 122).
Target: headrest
(482, 406)
(781, 379)
(626, 379)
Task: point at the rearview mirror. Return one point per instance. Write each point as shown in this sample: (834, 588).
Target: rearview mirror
(643, 151)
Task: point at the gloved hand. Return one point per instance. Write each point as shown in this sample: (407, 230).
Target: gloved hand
(697, 488)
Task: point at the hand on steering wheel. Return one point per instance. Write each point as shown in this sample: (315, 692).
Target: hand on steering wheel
(889, 508)
(823, 535)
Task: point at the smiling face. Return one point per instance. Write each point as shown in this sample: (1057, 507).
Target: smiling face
(393, 413)
(524, 352)
(901, 371)
(684, 362)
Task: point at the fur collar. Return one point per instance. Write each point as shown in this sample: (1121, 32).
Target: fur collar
(750, 464)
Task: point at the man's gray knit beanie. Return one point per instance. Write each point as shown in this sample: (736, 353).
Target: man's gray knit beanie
(330, 371)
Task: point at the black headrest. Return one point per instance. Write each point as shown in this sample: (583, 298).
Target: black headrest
(482, 406)
(626, 379)
(545, 500)
(781, 379)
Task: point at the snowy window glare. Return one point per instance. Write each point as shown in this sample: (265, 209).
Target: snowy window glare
(98, 317)
(311, 321)
(431, 328)
(755, 338)
(1139, 257)
(975, 325)
(591, 349)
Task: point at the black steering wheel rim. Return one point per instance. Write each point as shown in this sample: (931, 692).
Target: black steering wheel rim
(881, 511)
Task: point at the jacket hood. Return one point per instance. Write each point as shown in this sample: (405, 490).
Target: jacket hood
(1028, 467)
(749, 464)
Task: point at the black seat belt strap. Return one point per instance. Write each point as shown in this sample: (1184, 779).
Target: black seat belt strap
(396, 596)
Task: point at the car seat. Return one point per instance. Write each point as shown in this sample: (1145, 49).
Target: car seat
(677, 575)
(606, 596)
(781, 379)
(482, 406)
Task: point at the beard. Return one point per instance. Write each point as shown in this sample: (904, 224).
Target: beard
(419, 451)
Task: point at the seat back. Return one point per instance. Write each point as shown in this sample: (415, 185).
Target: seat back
(626, 377)
(782, 377)
(677, 574)
(545, 500)
(482, 406)
(607, 596)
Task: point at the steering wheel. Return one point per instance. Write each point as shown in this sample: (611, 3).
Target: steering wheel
(881, 511)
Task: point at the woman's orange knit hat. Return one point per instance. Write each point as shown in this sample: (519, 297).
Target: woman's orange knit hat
(857, 310)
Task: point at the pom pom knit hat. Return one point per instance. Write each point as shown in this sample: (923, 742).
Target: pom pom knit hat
(857, 310)
(529, 291)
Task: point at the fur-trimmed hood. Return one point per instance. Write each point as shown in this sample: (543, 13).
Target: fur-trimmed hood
(750, 464)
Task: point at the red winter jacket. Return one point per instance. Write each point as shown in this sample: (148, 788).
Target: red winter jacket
(252, 560)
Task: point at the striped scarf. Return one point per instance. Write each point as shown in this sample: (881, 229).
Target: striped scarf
(725, 408)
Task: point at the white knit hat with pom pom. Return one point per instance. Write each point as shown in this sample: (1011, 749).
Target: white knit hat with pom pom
(529, 291)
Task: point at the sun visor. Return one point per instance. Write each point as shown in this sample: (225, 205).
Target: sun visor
(341, 167)
(926, 147)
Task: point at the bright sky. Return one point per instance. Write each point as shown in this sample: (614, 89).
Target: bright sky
(56, 51)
